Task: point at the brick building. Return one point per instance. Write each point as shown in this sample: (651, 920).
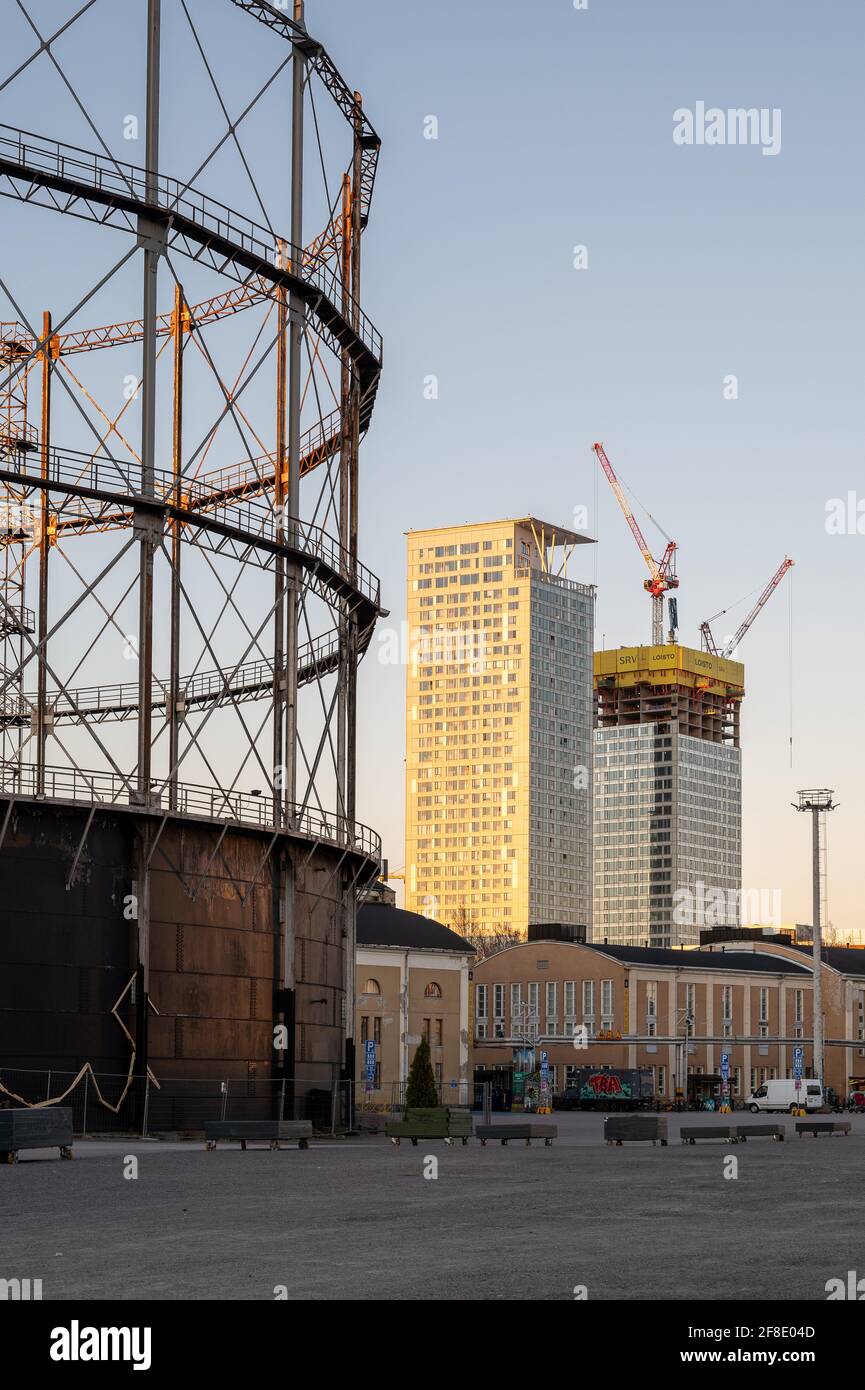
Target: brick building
(752, 1000)
(412, 980)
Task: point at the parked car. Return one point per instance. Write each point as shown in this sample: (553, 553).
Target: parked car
(782, 1095)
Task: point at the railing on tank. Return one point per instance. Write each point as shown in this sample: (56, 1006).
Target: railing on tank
(210, 803)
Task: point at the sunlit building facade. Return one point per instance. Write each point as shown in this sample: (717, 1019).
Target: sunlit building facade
(499, 712)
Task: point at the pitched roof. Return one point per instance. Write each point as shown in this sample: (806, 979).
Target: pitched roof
(755, 961)
(847, 960)
(379, 924)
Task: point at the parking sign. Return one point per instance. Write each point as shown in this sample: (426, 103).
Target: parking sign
(798, 1056)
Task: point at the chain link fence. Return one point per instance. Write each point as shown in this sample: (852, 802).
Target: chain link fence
(105, 1104)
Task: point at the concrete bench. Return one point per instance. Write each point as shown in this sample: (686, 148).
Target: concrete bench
(693, 1133)
(504, 1133)
(271, 1132)
(47, 1128)
(439, 1122)
(760, 1132)
(619, 1129)
(815, 1127)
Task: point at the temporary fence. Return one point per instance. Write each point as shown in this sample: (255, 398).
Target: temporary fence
(177, 1104)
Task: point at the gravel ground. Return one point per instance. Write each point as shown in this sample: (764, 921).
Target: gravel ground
(357, 1219)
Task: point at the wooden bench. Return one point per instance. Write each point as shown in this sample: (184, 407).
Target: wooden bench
(527, 1131)
(815, 1127)
(439, 1122)
(619, 1129)
(270, 1132)
(693, 1133)
(47, 1128)
(766, 1131)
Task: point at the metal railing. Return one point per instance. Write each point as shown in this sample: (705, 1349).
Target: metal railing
(128, 183)
(209, 803)
(117, 697)
(256, 519)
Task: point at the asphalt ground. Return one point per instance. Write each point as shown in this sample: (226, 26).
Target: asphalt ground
(358, 1219)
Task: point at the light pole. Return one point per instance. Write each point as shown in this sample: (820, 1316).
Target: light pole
(683, 1016)
(818, 801)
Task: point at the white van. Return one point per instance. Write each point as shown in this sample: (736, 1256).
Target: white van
(782, 1095)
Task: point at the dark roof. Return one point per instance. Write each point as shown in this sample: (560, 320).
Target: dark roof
(755, 961)
(847, 960)
(379, 924)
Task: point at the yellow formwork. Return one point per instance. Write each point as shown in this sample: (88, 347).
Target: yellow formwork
(670, 665)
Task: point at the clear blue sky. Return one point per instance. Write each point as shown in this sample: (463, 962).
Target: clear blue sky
(555, 129)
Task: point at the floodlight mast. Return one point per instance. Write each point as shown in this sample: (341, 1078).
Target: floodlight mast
(818, 801)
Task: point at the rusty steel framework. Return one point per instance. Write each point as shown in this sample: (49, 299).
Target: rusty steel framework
(281, 504)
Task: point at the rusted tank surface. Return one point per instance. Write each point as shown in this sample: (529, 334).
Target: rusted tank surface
(64, 952)
(240, 943)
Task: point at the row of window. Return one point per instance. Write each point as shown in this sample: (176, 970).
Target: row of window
(528, 1006)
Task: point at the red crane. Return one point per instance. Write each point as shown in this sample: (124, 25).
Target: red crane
(709, 641)
(662, 572)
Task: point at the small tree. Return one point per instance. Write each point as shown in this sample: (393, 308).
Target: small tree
(421, 1092)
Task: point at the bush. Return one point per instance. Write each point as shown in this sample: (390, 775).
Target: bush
(421, 1090)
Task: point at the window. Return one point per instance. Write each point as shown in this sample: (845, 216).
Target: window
(427, 1023)
(498, 1001)
(691, 1004)
(764, 1006)
(372, 987)
(552, 993)
(607, 1000)
(364, 1028)
(534, 999)
(570, 999)
(662, 1081)
(439, 1034)
(376, 1029)
(432, 991)
(516, 999)
(481, 1001)
(652, 1000)
(588, 999)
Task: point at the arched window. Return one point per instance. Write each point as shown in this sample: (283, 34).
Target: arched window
(432, 991)
(372, 987)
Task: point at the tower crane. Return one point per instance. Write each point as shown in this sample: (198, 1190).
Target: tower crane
(709, 643)
(662, 572)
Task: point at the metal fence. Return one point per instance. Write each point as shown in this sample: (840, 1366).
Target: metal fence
(464, 1095)
(178, 1104)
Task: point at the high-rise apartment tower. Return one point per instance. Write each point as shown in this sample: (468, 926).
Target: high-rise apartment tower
(499, 715)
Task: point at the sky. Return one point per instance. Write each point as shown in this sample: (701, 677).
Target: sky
(554, 130)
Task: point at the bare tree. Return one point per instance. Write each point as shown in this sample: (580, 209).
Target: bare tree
(485, 940)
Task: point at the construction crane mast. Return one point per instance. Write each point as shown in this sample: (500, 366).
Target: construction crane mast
(662, 572)
(709, 643)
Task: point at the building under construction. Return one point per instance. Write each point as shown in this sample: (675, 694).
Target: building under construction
(668, 771)
(668, 793)
(183, 606)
